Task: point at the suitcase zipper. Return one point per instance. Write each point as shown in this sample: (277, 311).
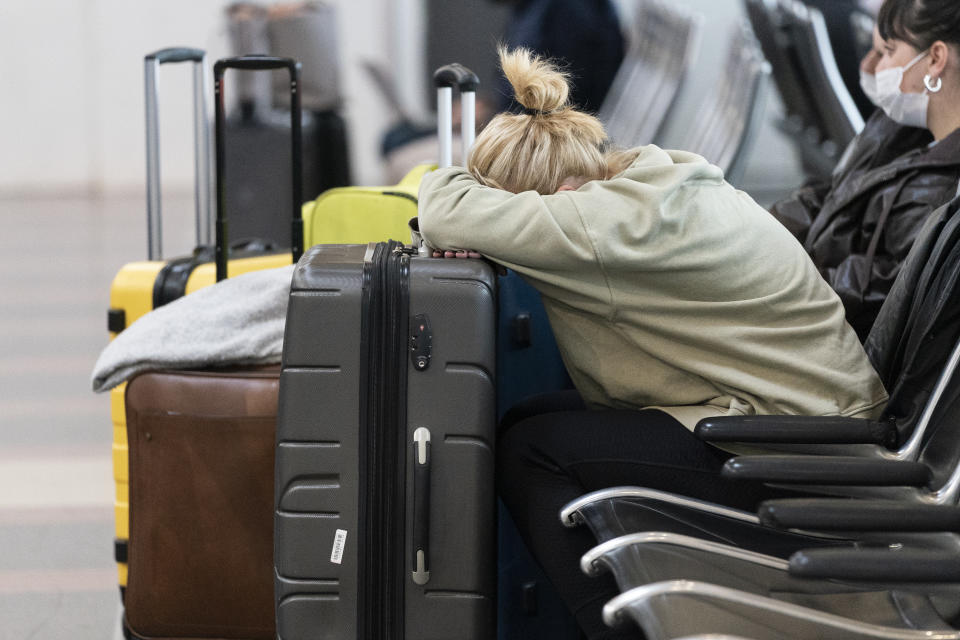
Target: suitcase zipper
(395, 440)
(382, 495)
(368, 607)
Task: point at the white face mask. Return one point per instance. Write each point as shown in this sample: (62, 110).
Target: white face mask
(908, 109)
(868, 82)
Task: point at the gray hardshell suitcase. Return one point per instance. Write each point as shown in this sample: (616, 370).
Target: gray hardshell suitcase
(385, 504)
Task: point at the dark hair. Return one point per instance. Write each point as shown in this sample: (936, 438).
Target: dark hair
(920, 23)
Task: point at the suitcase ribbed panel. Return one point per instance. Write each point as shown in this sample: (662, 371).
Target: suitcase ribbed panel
(318, 482)
(455, 399)
(318, 448)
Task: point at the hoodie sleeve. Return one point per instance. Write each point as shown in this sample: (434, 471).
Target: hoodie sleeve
(526, 229)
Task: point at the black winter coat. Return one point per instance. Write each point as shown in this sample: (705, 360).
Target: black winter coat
(859, 227)
(918, 326)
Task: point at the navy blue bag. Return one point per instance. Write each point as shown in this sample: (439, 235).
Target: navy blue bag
(528, 360)
(528, 363)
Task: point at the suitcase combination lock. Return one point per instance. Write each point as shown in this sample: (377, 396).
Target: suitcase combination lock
(421, 342)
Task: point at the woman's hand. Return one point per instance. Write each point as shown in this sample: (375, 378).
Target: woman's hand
(460, 253)
(467, 253)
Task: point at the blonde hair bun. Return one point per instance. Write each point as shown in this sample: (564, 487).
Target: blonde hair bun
(537, 83)
(525, 152)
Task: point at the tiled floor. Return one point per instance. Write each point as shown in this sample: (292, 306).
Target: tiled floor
(57, 258)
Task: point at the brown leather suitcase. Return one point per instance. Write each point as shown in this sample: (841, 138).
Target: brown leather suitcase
(201, 504)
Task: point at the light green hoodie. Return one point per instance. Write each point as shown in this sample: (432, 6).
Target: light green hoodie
(668, 288)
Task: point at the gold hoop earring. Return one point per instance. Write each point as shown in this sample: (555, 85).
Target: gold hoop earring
(932, 88)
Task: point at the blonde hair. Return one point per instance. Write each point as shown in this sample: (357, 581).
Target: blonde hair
(538, 150)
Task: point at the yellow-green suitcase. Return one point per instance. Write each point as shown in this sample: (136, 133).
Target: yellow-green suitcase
(358, 215)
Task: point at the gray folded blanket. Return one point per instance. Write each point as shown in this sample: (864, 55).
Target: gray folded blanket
(237, 321)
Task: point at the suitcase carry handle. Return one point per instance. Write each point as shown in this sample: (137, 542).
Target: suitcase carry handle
(201, 141)
(445, 78)
(177, 54)
(258, 63)
(421, 506)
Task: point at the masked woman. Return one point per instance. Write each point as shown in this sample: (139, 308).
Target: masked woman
(860, 226)
(672, 296)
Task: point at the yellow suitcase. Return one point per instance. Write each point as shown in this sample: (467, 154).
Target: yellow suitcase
(142, 286)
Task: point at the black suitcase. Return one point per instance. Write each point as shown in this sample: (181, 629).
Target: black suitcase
(260, 125)
(385, 504)
(254, 188)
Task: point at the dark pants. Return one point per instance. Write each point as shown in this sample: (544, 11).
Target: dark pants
(552, 450)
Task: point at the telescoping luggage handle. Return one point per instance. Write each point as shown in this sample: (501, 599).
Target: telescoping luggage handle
(258, 63)
(445, 78)
(201, 141)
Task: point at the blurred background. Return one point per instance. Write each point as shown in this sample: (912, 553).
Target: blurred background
(72, 205)
(71, 119)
